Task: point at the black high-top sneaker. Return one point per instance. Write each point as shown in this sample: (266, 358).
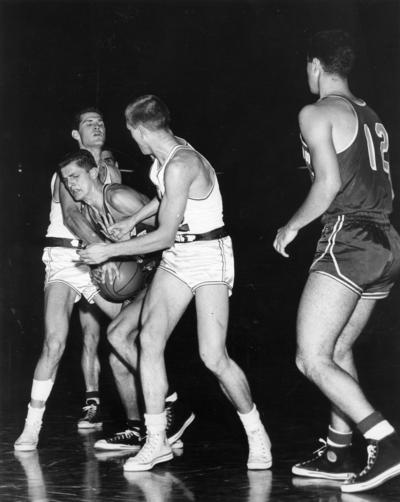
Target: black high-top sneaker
(383, 464)
(179, 417)
(132, 438)
(329, 462)
(91, 418)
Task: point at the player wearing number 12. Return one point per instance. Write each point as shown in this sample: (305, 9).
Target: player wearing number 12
(357, 260)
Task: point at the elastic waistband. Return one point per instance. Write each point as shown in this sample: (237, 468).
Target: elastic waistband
(217, 233)
(63, 243)
(362, 216)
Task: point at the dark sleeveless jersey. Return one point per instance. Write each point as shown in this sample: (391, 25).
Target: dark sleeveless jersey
(100, 221)
(364, 168)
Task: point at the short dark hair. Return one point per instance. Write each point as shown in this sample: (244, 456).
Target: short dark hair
(78, 115)
(335, 50)
(148, 110)
(82, 158)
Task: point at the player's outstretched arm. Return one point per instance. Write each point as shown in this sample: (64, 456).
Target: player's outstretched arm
(178, 179)
(73, 218)
(145, 214)
(316, 129)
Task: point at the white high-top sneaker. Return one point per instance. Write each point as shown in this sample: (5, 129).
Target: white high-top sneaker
(259, 449)
(29, 438)
(155, 450)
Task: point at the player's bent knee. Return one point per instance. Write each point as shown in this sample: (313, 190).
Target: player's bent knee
(342, 354)
(312, 366)
(215, 362)
(53, 348)
(117, 336)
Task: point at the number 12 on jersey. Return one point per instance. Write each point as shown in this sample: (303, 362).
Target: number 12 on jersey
(382, 134)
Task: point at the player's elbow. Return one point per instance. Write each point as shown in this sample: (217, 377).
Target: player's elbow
(334, 187)
(167, 239)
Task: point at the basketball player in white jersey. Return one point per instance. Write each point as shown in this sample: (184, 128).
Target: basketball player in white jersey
(197, 262)
(89, 132)
(67, 280)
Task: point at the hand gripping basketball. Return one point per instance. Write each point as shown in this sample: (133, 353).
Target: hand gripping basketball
(131, 280)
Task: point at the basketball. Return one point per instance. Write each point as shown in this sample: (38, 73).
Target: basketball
(129, 282)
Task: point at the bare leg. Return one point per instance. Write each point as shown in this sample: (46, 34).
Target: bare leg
(122, 334)
(325, 309)
(58, 304)
(164, 305)
(212, 321)
(343, 354)
(91, 336)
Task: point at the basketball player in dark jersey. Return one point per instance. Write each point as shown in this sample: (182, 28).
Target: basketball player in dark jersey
(103, 205)
(356, 262)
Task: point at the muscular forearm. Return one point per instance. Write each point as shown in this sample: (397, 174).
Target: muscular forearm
(146, 213)
(153, 241)
(317, 202)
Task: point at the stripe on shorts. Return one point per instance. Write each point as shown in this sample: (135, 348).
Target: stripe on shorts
(330, 249)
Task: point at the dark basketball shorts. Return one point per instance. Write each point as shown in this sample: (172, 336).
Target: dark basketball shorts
(361, 253)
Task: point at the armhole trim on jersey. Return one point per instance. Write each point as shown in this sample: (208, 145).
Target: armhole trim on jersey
(54, 179)
(353, 138)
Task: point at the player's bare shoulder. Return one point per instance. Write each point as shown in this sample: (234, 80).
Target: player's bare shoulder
(185, 163)
(312, 118)
(118, 195)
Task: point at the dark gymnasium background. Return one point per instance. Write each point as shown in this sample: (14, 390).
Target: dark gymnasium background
(233, 75)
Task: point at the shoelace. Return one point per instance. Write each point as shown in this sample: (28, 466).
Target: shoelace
(258, 443)
(372, 450)
(90, 411)
(127, 434)
(321, 450)
(169, 414)
(147, 452)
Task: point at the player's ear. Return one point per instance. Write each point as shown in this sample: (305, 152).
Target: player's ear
(316, 64)
(75, 134)
(142, 131)
(94, 173)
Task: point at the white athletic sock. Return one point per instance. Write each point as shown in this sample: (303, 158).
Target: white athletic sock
(251, 420)
(156, 423)
(41, 389)
(34, 414)
(379, 431)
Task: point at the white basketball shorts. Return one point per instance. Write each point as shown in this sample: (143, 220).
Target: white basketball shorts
(201, 263)
(64, 265)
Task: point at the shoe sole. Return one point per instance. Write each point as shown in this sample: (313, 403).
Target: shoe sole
(321, 475)
(86, 425)
(372, 483)
(259, 466)
(178, 435)
(147, 467)
(113, 447)
(22, 447)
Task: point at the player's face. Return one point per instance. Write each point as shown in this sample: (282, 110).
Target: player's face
(137, 135)
(78, 181)
(92, 131)
(108, 159)
(312, 77)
